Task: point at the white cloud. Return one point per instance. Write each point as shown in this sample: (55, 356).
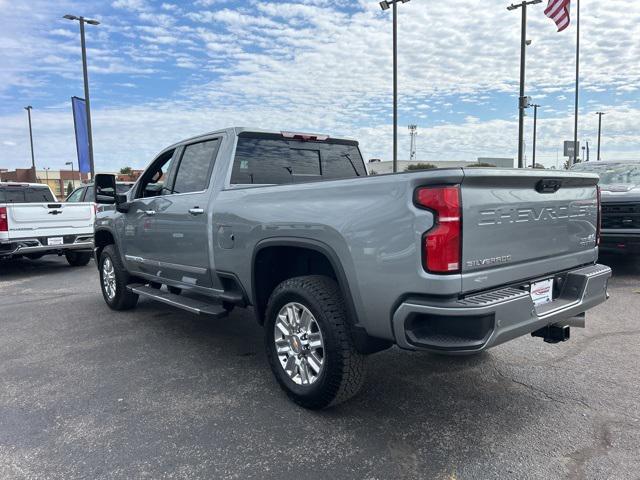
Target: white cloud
(311, 65)
(136, 5)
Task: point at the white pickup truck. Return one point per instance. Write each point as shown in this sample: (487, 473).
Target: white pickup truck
(33, 224)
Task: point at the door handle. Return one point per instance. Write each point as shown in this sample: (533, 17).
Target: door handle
(196, 211)
(150, 213)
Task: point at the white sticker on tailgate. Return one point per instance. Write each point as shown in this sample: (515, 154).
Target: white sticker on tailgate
(55, 241)
(542, 292)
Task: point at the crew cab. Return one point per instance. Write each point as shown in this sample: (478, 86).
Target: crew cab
(33, 224)
(620, 186)
(338, 265)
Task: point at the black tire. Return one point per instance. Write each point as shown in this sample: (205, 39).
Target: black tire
(343, 370)
(155, 285)
(122, 299)
(34, 256)
(77, 259)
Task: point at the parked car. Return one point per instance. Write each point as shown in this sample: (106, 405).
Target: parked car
(85, 192)
(620, 186)
(33, 224)
(338, 265)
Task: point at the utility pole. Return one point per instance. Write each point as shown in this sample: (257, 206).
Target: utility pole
(535, 130)
(575, 126)
(600, 114)
(522, 101)
(413, 131)
(33, 159)
(385, 6)
(82, 21)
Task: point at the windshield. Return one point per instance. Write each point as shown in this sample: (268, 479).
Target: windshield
(613, 173)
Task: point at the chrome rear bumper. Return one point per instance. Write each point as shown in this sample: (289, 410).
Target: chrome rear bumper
(35, 245)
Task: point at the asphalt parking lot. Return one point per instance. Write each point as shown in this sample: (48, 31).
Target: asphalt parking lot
(158, 393)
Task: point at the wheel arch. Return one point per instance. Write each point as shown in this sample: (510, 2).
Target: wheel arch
(101, 238)
(301, 245)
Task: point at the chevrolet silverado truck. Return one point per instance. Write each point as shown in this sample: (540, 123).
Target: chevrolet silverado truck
(33, 224)
(337, 264)
(620, 186)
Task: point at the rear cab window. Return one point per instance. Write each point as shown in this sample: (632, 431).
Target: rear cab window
(25, 194)
(273, 159)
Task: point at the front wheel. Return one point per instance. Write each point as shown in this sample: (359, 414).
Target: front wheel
(113, 281)
(77, 259)
(309, 345)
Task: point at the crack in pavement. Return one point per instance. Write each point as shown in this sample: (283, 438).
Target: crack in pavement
(547, 395)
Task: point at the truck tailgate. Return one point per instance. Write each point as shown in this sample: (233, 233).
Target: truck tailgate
(28, 220)
(521, 224)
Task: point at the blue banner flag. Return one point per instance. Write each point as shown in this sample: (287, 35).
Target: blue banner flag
(82, 137)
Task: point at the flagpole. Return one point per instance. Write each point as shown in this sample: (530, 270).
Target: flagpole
(575, 127)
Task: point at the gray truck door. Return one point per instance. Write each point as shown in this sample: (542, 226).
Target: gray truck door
(141, 244)
(181, 219)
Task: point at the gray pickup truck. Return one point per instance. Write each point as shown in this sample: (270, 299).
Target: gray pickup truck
(337, 264)
(620, 185)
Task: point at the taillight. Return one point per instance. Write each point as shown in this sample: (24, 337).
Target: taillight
(599, 224)
(442, 244)
(4, 221)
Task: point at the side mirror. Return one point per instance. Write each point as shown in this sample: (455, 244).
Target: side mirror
(105, 188)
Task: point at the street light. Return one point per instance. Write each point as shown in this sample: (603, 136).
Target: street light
(600, 114)
(522, 101)
(82, 21)
(385, 4)
(535, 130)
(28, 108)
(80, 173)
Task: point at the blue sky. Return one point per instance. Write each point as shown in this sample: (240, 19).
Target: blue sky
(164, 70)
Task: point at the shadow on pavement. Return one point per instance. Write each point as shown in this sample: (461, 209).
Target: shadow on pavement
(17, 268)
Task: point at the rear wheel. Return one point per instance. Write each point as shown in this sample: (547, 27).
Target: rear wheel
(77, 259)
(309, 345)
(113, 281)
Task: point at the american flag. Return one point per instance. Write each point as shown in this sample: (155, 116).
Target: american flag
(558, 11)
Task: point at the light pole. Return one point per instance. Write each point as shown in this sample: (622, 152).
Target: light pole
(523, 101)
(46, 172)
(33, 158)
(385, 6)
(82, 21)
(74, 180)
(535, 130)
(600, 114)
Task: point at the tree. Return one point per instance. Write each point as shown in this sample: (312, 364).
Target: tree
(481, 165)
(126, 171)
(69, 188)
(420, 166)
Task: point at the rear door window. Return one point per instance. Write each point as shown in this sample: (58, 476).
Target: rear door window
(90, 195)
(196, 166)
